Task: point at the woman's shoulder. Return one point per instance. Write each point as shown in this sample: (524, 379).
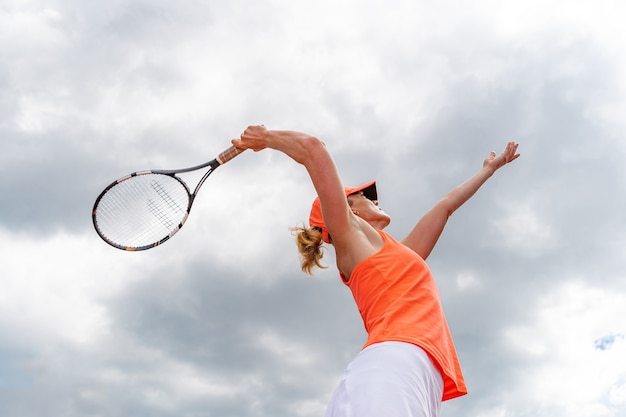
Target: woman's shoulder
(364, 242)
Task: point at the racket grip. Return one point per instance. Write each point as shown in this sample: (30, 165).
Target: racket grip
(228, 154)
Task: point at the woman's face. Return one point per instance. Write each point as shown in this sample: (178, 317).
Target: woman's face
(368, 210)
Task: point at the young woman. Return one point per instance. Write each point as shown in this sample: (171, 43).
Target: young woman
(408, 365)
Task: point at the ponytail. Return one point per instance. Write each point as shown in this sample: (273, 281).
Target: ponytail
(309, 241)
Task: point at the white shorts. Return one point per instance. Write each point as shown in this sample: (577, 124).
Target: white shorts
(389, 379)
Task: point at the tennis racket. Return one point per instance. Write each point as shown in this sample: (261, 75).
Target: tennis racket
(146, 208)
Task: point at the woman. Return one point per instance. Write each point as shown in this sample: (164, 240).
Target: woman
(408, 365)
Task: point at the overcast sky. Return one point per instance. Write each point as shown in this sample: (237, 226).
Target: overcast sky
(220, 321)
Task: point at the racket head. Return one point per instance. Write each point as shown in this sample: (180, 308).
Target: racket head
(142, 210)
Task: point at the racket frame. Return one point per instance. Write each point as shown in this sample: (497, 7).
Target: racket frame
(221, 159)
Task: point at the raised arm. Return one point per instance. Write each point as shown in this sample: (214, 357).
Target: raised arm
(312, 153)
(424, 236)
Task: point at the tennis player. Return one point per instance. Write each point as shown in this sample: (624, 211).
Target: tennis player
(409, 364)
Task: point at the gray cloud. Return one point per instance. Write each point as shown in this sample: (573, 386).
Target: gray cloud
(220, 321)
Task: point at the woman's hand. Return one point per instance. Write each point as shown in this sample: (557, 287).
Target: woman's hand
(495, 162)
(254, 137)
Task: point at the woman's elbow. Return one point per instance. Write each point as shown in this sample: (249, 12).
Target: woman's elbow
(313, 149)
(313, 143)
(447, 206)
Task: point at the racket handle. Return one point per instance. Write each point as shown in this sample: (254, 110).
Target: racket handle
(228, 154)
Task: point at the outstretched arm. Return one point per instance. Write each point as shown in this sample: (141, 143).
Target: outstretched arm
(312, 153)
(424, 236)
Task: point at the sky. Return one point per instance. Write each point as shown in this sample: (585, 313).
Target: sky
(220, 321)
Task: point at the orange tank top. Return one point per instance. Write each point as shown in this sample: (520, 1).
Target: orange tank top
(399, 301)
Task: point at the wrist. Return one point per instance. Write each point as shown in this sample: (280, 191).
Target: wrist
(488, 171)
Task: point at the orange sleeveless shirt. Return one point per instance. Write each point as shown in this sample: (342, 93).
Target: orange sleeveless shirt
(399, 301)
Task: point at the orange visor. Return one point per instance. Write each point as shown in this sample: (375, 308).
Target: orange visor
(317, 220)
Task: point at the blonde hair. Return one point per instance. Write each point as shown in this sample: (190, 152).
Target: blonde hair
(309, 241)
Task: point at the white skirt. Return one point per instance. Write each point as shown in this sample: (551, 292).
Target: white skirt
(389, 379)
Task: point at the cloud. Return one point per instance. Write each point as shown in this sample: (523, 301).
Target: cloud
(219, 320)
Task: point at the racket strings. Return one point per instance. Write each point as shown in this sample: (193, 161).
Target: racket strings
(155, 208)
(142, 210)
